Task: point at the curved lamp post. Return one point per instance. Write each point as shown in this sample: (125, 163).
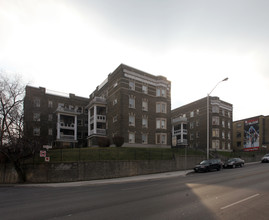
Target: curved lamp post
(207, 144)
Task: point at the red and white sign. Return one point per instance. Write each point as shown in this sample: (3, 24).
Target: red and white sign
(43, 153)
(47, 159)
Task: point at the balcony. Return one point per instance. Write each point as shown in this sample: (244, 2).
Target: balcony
(67, 125)
(67, 110)
(67, 137)
(178, 132)
(98, 132)
(182, 142)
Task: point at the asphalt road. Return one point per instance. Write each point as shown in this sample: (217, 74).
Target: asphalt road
(241, 193)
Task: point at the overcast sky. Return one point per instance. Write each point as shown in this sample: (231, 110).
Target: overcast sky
(72, 45)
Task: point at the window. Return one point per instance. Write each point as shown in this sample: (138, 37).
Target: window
(131, 102)
(229, 114)
(215, 132)
(197, 111)
(238, 134)
(79, 109)
(197, 134)
(86, 122)
(191, 136)
(144, 138)
(36, 117)
(131, 120)
(161, 123)
(144, 122)
(192, 114)
(197, 123)
(50, 131)
(115, 118)
(131, 85)
(229, 124)
(239, 125)
(223, 112)
(80, 122)
(36, 131)
(50, 117)
(223, 135)
(145, 105)
(50, 104)
(161, 107)
(145, 89)
(229, 135)
(223, 145)
(215, 120)
(215, 109)
(36, 102)
(191, 125)
(161, 138)
(131, 138)
(223, 123)
(115, 101)
(161, 92)
(215, 144)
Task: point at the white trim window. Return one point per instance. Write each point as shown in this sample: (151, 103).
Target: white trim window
(144, 105)
(131, 137)
(144, 138)
(161, 138)
(161, 107)
(215, 144)
(161, 123)
(144, 122)
(131, 85)
(215, 132)
(145, 89)
(131, 102)
(131, 120)
(215, 120)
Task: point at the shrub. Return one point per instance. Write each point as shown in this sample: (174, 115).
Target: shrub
(103, 142)
(118, 140)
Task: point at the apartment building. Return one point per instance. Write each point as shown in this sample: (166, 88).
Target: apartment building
(251, 134)
(55, 119)
(189, 124)
(133, 104)
(129, 103)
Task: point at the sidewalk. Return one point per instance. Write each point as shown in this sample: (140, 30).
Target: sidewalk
(111, 181)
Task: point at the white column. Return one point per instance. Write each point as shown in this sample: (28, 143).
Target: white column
(76, 127)
(58, 126)
(89, 121)
(95, 120)
(181, 133)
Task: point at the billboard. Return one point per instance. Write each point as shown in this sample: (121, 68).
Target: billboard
(251, 135)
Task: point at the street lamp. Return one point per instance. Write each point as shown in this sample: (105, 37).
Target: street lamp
(207, 144)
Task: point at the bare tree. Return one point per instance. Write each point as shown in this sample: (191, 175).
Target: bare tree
(14, 147)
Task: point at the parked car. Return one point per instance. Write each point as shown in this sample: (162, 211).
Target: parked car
(234, 162)
(265, 158)
(208, 165)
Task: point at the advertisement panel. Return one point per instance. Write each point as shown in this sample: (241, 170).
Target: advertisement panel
(251, 136)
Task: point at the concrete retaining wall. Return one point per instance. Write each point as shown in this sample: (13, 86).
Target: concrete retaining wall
(79, 171)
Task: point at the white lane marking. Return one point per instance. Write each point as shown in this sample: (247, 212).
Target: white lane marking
(250, 197)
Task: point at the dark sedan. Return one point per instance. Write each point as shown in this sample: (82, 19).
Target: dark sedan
(234, 162)
(208, 165)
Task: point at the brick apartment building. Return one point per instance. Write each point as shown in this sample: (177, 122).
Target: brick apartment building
(55, 119)
(251, 134)
(189, 124)
(133, 104)
(129, 103)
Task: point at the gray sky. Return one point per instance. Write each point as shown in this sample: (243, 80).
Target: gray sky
(72, 45)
